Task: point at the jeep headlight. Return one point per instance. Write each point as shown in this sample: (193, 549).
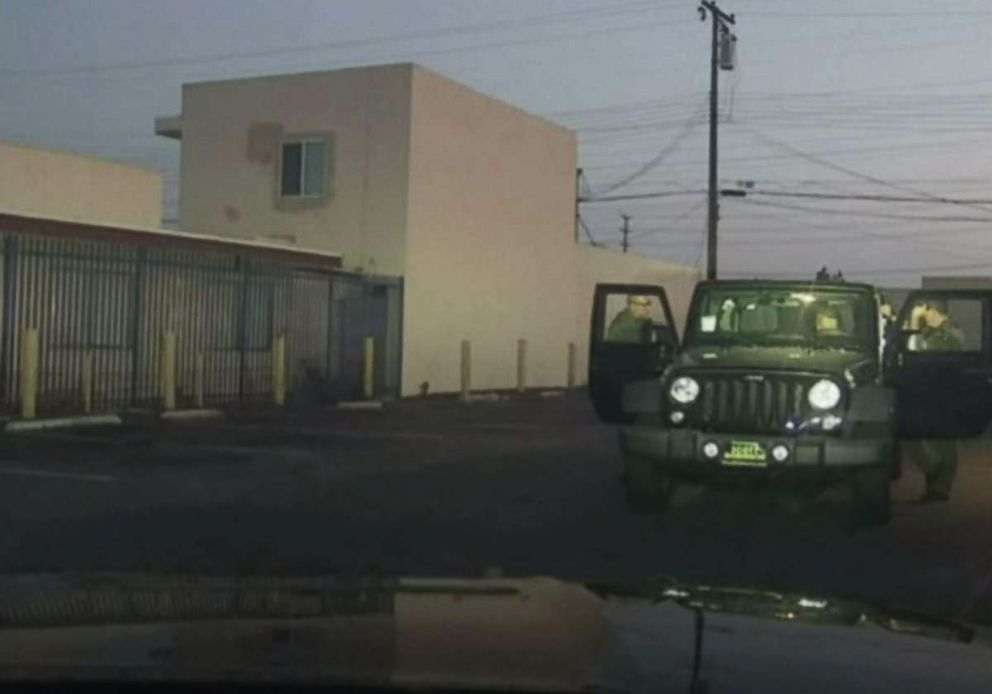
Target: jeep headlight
(824, 395)
(684, 390)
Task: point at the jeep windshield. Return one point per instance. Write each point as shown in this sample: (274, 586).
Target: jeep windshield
(782, 315)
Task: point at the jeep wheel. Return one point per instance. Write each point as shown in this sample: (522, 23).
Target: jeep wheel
(870, 496)
(646, 490)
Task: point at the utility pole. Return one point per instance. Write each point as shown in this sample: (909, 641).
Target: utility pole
(720, 30)
(625, 230)
(578, 199)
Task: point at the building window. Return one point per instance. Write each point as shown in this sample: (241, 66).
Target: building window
(304, 169)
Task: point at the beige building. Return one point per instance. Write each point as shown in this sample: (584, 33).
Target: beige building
(408, 174)
(54, 183)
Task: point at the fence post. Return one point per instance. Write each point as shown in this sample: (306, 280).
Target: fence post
(368, 372)
(466, 368)
(29, 373)
(242, 328)
(140, 260)
(9, 335)
(87, 369)
(168, 370)
(570, 379)
(331, 335)
(198, 368)
(279, 370)
(521, 365)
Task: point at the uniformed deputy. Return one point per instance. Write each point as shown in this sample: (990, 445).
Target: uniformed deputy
(828, 322)
(888, 331)
(936, 458)
(629, 324)
(937, 331)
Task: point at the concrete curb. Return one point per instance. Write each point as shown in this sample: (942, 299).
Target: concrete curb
(482, 397)
(360, 405)
(191, 414)
(63, 422)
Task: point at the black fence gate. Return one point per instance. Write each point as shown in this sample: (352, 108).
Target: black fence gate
(103, 311)
(365, 307)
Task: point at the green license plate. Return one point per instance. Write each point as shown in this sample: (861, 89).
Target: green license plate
(746, 454)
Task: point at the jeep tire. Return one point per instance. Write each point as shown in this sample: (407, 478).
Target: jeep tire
(870, 496)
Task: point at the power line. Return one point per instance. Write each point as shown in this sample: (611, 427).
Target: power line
(698, 262)
(852, 151)
(857, 174)
(802, 219)
(585, 228)
(903, 236)
(977, 181)
(871, 215)
(872, 198)
(672, 222)
(477, 27)
(821, 100)
(785, 240)
(870, 15)
(687, 98)
(652, 163)
(598, 131)
(643, 196)
(826, 210)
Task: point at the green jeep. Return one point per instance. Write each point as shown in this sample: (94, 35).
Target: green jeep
(776, 383)
(783, 384)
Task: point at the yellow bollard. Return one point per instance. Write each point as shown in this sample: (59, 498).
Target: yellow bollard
(279, 371)
(29, 373)
(466, 368)
(571, 365)
(167, 370)
(198, 370)
(368, 375)
(521, 365)
(87, 378)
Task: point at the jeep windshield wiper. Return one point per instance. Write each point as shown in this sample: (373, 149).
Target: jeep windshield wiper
(797, 607)
(735, 341)
(843, 343)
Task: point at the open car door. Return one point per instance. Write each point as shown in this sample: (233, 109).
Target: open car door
(940, 364)
(632, 338)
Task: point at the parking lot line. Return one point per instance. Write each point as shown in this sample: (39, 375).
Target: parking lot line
(79, 476)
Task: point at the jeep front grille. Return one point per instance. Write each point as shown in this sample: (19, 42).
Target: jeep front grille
(738, 403)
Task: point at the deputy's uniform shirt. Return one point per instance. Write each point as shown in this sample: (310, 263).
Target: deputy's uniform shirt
(625, 328)
(944, 338)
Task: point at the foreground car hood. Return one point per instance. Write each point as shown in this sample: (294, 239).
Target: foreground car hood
(532, 634)
(832, 361)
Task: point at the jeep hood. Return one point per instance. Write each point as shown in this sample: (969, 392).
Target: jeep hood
(794, 358)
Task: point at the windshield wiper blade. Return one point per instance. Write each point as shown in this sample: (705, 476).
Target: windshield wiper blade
(795, 607)
(908, 622)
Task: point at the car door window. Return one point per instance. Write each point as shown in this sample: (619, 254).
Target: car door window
(632, 318)
(944, 325)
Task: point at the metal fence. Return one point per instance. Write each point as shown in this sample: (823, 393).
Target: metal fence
(103, 309)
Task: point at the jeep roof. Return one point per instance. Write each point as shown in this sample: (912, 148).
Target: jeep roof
(812, 284)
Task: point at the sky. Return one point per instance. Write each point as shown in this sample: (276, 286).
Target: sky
(870, 98)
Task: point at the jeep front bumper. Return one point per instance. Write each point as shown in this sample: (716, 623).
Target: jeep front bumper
(681, 452)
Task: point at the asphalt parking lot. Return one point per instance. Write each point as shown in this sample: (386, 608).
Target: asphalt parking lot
(437, 487)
